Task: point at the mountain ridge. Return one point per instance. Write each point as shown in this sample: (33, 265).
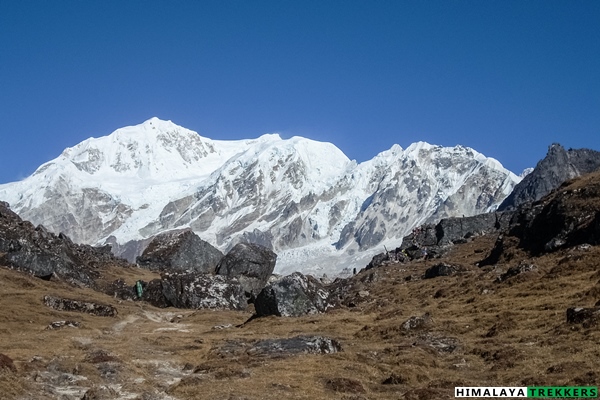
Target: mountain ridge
(303, 198)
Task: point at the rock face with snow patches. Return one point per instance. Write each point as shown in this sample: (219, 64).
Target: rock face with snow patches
(305, 200)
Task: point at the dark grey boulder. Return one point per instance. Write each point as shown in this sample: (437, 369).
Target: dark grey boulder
(292, 296)
(379, 260)
(197, 291)
(251, 264)
(587, 316)
(441, 269)
(88, 307)
(180, 251)
(153, 294)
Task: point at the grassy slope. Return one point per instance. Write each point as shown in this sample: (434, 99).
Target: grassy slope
(531, 343)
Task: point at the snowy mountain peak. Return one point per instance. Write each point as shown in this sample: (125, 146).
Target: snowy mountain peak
(153, 149)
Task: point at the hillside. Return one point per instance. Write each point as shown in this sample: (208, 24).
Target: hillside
(504, 324)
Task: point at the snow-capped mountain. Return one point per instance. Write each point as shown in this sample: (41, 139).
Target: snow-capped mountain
(317, 209)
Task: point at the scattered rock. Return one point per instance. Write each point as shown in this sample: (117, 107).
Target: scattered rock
(516, 270)
(441, 269)
(7, 363)
(345, 385)
(100, 393)
(292, 296)
(394, 379)
(62, 324)
(180, 251)
(439, 343)
(61, 304)
(277, 348)
(415, 323)
(586, 316)
(251, 264)
(100, 356)
(221, 327)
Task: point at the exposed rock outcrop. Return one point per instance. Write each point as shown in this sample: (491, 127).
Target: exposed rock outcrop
(558, 166)
(49, 256)
(88, 307)
(292, 296)
(277, 348)
(432, 241)
(516, 270)
(569, 216)
(180, 251)
(441, 269)
(251, 264)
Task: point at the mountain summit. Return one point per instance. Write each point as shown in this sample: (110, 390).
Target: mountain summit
(304, 199)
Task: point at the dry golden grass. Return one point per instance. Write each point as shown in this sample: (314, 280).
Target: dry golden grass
(512, 333)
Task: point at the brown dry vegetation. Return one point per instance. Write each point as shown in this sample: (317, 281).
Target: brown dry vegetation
(480, 333)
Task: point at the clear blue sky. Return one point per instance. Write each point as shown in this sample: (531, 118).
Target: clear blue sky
(504, 77)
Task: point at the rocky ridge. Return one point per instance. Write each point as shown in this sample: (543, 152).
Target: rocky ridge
(558, 166)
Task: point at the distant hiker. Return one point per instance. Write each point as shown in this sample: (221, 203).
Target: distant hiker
(138, 289)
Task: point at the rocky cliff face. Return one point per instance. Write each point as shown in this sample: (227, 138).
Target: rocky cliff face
(304, 200)
(558, 166)
(45, 255)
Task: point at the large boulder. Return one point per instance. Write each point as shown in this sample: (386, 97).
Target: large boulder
(195, 290)
(441, 269)
(589, 316)
(251, 264)
(180, 251)
(292, 296)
